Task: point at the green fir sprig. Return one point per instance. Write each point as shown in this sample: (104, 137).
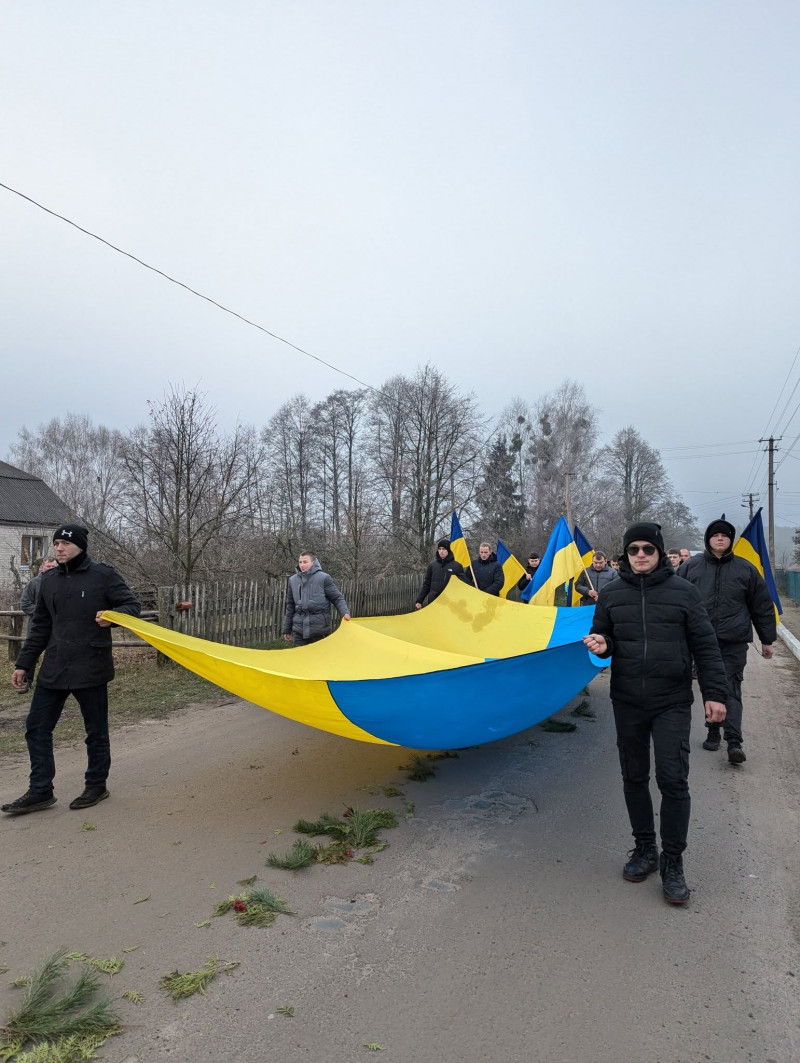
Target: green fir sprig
(357, 829)
(69, 1021)
(185, 984)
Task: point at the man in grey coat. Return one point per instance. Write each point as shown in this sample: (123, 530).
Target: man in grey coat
(27, 603)
(309, 597)
(589, 584)
(30, 593)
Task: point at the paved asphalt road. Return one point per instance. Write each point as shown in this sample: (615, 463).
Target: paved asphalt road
(496, 928)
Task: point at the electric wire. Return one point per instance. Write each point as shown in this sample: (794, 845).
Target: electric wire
(673, 452)
(188, 288)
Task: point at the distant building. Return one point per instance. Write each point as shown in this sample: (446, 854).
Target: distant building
(29, 514)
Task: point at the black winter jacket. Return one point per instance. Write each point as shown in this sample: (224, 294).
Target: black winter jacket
(523, 581)
(735, 596)
(77, 651)
(437, 574)
(488, 574)
(309, 597)
(654, 625)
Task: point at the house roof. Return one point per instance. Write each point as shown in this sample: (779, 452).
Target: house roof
(26, 499)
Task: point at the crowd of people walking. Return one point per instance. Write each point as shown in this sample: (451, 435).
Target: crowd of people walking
(662, 617)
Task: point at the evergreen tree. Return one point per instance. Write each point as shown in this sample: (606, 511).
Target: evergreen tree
(499, 498)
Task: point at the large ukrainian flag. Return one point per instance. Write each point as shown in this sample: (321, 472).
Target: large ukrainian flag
(752, 546)
(469, 668)
(560, 564)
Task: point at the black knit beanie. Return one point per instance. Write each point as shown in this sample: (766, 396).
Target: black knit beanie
(443, 542)
(73, 533)
(646, 532)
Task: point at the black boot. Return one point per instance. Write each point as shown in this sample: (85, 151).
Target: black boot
(675, 889)
(713, 740)
(736, 753)
(90, 796)
(32, 801)
(642, 861)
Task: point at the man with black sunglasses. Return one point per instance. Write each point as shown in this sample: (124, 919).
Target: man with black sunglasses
(652, 628)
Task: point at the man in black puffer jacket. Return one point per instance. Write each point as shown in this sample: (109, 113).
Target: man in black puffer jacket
(487, 570)
(439, 571)
(69, 627)
(736, 598)
(651, 624)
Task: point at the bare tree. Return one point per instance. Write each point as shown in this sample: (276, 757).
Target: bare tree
(187, 487)
(637, 472)
(638, 488)
(292, 451)
(339, 422)
(80, 461)
(389, 450)
(426, 445)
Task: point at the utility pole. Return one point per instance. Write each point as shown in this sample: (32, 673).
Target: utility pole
(751, 498)
(567, 503)
(771, 492)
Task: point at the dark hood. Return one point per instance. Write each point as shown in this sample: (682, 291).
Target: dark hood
(723, 526)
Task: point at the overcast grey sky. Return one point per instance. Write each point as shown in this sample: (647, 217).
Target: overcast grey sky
(517, 191)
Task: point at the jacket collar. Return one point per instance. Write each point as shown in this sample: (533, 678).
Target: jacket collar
(711, 557)
(75, 564)
(316, 567)
(660, 573)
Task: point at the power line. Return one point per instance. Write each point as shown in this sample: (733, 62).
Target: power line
(786, 381)
(750, 485)
(696, 457)
(705, 446)
(187, 288)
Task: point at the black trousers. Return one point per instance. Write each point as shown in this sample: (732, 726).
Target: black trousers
(298, 640)
(43, 715)
(668, 730)
(734, 657)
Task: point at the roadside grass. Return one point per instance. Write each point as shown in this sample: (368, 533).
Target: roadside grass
(140, 691)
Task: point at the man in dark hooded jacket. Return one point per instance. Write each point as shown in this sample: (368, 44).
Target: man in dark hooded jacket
(736, 599)
(309, 596)
(652, 623)
(488, 571)
(439, 571)
(530, 570)
(68, 625)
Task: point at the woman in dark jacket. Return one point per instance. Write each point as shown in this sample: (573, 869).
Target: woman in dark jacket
(439, 571)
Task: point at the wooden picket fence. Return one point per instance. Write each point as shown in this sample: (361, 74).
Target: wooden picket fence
(250, 612)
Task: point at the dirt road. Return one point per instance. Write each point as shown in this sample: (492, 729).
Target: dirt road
(496, 928)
